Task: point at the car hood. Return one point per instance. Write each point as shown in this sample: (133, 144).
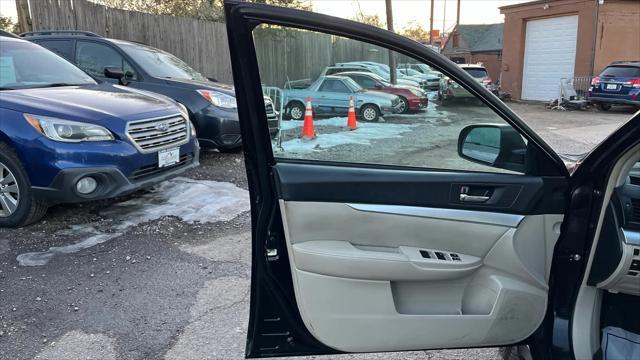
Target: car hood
(206, 85)
(88, 103)
(378, 95)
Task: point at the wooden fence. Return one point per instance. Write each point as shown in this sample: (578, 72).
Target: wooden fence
(283, 54)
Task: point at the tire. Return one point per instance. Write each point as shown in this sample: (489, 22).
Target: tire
(443, 101)
(405, 105)
(296, 110)
(370, 113)
(603, 106)
(18, 205)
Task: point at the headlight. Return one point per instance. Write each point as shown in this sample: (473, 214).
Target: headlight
(219, 99)
(417, 92)
(183, 110)
(194, 134)
(68, 131)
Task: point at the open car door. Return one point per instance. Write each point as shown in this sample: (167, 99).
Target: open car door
(429, 231)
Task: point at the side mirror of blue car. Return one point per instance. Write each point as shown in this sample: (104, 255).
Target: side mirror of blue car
(116, 73)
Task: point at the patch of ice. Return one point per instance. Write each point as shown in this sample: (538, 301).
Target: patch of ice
(294, 124)
(362, 136)
(189, 200)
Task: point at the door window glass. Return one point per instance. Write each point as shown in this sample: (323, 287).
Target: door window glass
(94, 57)
(407, 126)
(334, 86)
(63, 48)
(367, 82)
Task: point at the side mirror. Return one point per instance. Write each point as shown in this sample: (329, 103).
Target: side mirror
(496, 145)
(377, 86)
(116, 73)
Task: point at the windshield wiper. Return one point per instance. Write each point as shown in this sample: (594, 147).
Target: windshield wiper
(6, 88)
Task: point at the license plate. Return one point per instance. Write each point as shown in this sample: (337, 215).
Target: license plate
(612, 86)
(168, 157)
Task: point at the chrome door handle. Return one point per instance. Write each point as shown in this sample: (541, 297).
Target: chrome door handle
(473, 198)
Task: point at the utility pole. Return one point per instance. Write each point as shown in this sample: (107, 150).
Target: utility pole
(431, 24)
(458, 14)
(392, 54)
(24, 19)
(444, 16)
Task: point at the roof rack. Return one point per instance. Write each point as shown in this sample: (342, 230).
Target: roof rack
(53, 32)
(8, 34)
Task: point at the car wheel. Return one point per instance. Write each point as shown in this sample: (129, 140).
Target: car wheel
(296, 110)
(405, 105)
(370, 112)
(18, 206)
(443, 101)
(603, 107)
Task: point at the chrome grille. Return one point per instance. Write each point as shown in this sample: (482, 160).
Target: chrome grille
(154, 134)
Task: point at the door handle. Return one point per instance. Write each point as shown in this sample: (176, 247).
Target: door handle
(473, 198)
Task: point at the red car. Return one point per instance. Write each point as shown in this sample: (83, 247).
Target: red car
(412, 98)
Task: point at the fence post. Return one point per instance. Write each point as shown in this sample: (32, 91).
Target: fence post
(24, 19)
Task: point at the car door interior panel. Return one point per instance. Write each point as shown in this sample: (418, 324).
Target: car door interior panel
(377, 274)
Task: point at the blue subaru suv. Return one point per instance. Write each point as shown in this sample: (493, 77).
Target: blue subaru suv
(65, 137)
(618, 84)
(211, 105)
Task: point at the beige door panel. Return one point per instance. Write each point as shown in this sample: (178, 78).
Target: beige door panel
(362, 284)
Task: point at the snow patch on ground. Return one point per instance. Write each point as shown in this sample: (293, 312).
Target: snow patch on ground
(361, 136)
(295, 124)
(189, 200)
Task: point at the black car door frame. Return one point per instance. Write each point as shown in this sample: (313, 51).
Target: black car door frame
(588, 184)
(269, 302)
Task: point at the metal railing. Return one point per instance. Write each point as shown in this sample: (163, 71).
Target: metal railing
(276, 96)
(580, 85)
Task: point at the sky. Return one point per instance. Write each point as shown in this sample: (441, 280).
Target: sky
(8, 8)
(406, 13)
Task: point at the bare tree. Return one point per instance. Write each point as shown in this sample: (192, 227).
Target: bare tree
(201, 9)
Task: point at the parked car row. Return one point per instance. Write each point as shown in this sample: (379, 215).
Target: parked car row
(84, 117)
(332, 94)
(65, 137)
(368, 83)
(211, 105)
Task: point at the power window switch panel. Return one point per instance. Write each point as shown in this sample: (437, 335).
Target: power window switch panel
(635, 265)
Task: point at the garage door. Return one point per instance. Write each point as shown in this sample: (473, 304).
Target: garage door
(549, 55)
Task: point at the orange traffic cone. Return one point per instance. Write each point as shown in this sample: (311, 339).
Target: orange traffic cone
(351, 116)
(308, 132)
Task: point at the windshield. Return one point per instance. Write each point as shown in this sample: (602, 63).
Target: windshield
(161, 64)
(412, 72)
(380, 79)
(379, 71)
(621, 71)
(476, 72)
(26, 65)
